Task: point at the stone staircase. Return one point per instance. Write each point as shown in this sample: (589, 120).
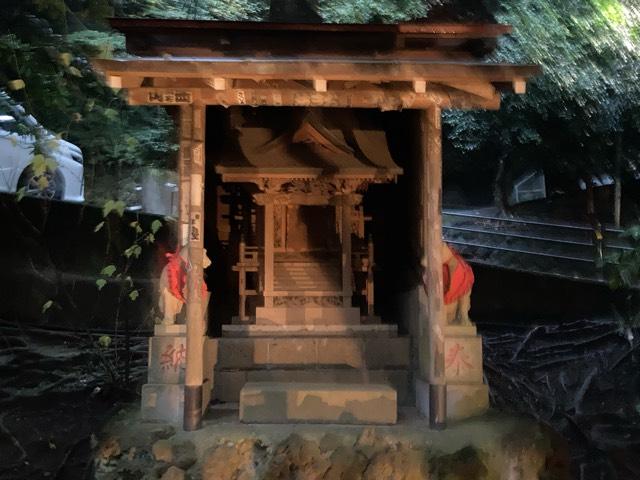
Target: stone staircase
(334, 354)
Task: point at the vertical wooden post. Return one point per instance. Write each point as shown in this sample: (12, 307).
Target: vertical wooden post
(268, 253)
(347, 288)
(184, 166)
(242, 281)
(432, 338)
(195, 301)
(370, 285)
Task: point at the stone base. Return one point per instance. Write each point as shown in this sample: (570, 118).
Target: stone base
(271, 402)
(463, 400)
(307, 316)
(165, 403)
(173, 330)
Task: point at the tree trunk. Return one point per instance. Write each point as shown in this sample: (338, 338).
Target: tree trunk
(617, 196)
(500, 196)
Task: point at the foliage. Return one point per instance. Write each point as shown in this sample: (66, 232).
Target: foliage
(623, 273)
(367, 11)
(203, 9)
(46, 47)
(588, 94)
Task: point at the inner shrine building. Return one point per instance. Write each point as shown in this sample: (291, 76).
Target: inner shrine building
(310, 172)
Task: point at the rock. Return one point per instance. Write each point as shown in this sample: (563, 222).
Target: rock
(184, 454)
(330, 442)
(110, 448)
(162, 451)
(370, 442)
(163, 433)
(400, 463)
(173, 473)
(346, 463)
(461, 465)
(296, 457)
(231, 461)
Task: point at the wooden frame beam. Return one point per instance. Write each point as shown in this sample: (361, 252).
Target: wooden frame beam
(371, 97)
(354, 69)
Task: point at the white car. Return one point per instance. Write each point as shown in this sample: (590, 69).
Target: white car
(65, 182)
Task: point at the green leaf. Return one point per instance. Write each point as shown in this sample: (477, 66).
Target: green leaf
(20, 193)
(98, 227)
(17, 84)
(111, 114)
(133, 294)
(46, 305)
(100, 283)
(150, 238)
(134, 250)
(75, 72)
(155, 226)
(104, 341)
(109, 270)
(50, 164)
(38, 165)
(65, 59)
(117, 206)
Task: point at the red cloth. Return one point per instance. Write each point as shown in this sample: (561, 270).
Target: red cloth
(460, 282)
(177, 276)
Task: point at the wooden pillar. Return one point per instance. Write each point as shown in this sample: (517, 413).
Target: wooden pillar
(432, 366)
(268, 253)
(345, 234)
(194, 373)
(184, 166)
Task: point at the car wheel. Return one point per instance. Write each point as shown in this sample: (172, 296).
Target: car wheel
(32, 184)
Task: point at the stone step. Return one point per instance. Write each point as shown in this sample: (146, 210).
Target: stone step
(228, 383)
(296, 352)
(275, 402)
(308, 315)
(370, 330)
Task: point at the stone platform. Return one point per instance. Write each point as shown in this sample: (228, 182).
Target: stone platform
(493, 446)
(283, 402)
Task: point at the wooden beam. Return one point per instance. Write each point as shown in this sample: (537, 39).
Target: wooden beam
(419, 86)
(520, 86)
(431, 363)
(372, 97)
(118, 81)
(196, 300)
(320, 85)
(217, 83)
(483, 89)
(355, 69)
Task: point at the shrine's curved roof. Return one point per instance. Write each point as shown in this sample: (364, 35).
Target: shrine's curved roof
(330, 142)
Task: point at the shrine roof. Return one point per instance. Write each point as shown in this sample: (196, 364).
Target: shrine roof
(147, 37)
(336, 143)
(385, 66)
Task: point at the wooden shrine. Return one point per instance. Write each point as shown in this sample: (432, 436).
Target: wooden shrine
(299, 348)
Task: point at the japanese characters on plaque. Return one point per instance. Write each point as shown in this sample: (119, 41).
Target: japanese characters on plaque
(170, 97)
(173, 358)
